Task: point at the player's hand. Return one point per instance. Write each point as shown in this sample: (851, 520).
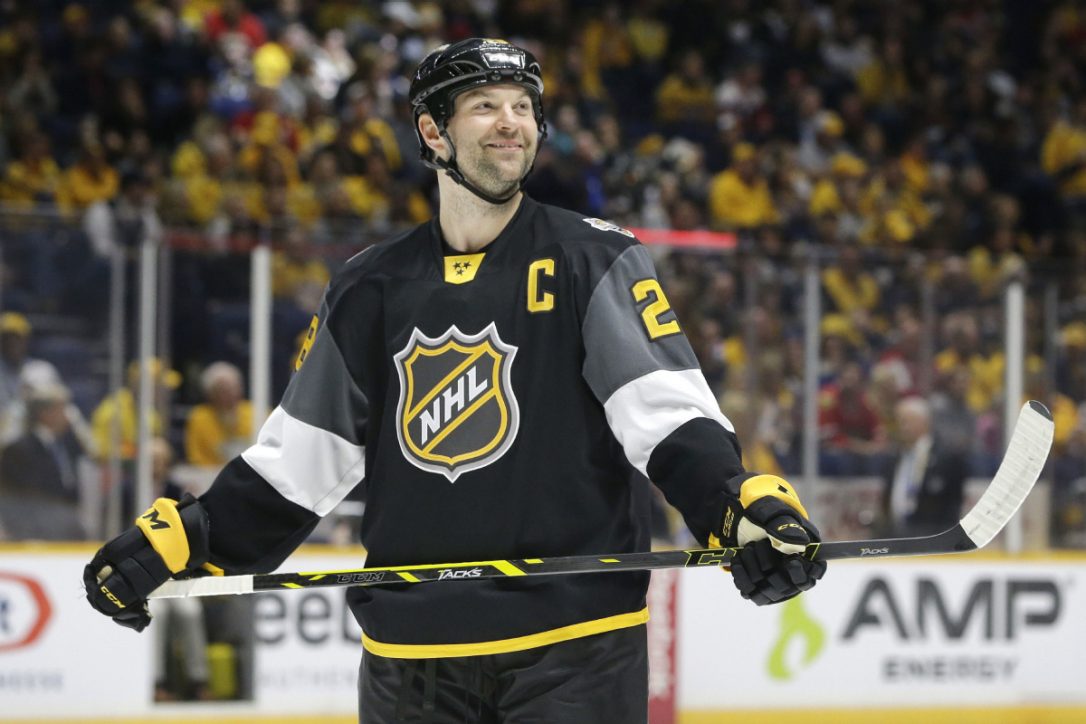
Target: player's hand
(769, 524)
(170, 538)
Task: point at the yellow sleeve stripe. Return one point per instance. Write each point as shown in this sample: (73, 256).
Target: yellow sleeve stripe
(533, 560)
(763, 486)
(503, 646)
(609, 560)
(291, 585)
(407, 576)
(162, 526)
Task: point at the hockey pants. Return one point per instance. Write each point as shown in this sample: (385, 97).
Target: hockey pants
(601, 679)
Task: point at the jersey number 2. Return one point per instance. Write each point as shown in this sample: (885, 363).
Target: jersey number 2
(658, 307)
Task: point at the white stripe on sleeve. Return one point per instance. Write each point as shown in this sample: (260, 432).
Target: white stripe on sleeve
(644, 411)
(305, 464)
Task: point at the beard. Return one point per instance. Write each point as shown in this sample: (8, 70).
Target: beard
(499, 178)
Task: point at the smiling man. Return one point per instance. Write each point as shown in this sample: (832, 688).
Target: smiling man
(506, 378)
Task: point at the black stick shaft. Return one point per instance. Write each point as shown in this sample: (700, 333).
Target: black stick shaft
(950, 541)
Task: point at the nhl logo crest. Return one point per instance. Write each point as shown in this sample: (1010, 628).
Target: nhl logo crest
(457, 411)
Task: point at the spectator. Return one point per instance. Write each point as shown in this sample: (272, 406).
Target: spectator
(845, 50)
(994, 263)
(1063, 155)
(817, 151)
(39, 481)
(955, 423)
(739, 196)
(91, 178)
(32, 91)
(365, 132)
(894, 210)
(218, 430)
(1071, 363)
(18, 373)
(902, 357)
(762, 330)
(832, 193)
(955, 288)
(1069, 489)
(924, 483)
(841, 344)
(685, 105)
(298, 275)
(884, 393)
(884, 82)
(849, 425)
(852, 291)
(116, 418)
(272, 61)
(607, 66)
(777, 410)
(35, 177)
(963, 350)
(741, 95)
(234, 29)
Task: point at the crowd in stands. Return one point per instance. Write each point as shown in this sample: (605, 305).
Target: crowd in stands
(926, 152)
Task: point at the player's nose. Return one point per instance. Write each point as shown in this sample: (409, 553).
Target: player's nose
(507, 117)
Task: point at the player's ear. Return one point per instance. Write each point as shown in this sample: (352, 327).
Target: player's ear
(431, 135)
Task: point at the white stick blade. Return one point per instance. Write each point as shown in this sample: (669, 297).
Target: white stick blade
(1026, 454)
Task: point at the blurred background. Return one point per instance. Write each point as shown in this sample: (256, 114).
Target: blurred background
(870, 219)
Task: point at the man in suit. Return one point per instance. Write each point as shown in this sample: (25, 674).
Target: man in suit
(39, 481)
(924, 482)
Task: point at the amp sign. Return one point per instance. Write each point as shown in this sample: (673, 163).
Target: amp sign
(948, 632)
(994, 608)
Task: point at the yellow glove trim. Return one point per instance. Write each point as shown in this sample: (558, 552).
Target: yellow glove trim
(162, 526)
(771, 486)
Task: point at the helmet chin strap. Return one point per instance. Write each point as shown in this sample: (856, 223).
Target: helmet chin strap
(453, 171)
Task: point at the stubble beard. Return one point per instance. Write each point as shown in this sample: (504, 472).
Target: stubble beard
(494, 178)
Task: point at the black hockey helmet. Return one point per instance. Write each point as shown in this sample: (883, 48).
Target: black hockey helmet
(453, 69)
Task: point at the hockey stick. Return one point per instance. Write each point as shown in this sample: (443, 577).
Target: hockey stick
(1025, 457)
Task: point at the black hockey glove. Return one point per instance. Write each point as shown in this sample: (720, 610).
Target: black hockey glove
(765, 519)
(170, 538)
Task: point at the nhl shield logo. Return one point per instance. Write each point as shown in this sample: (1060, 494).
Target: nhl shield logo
(457, 411)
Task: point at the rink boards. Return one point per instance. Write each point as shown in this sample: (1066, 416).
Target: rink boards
(956, 634)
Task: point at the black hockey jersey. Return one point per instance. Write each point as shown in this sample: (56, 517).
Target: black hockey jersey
(507, 404)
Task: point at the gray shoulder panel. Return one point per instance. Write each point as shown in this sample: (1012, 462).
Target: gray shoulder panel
(618, 346)
(323, 393)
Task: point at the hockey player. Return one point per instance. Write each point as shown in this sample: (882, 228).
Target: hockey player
(506, 379)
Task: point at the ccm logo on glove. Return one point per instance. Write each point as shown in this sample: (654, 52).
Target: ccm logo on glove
(111, 597)
(764, 518)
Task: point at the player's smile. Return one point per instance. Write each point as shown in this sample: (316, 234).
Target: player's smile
(505, 145)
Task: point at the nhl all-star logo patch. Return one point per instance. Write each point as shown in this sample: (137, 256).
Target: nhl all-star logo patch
(607, 226)
(457, 411)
